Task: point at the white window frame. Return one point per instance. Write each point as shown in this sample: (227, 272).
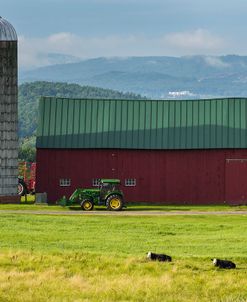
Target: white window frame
(130, 182)
(64, 182)
(95, 182)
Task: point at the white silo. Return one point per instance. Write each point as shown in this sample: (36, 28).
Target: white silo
(8, 113)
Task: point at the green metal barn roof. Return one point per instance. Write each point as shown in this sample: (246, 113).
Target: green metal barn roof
(144, 124)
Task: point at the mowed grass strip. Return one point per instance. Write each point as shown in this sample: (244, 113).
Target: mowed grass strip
(103, 258)
(133, 207)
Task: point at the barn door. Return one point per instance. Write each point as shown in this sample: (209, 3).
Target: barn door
(236, 181)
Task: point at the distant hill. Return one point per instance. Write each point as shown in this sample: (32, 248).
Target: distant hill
(29, 95)
(154, 77)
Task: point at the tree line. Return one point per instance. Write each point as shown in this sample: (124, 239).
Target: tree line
(28, 101)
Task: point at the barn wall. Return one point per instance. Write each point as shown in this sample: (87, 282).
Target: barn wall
(169, 177)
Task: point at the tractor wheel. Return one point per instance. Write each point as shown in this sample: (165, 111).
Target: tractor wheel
(22, 188)
(87, 205)
(114, 203)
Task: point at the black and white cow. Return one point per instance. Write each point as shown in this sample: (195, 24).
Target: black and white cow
(223, 263)
(159, 257)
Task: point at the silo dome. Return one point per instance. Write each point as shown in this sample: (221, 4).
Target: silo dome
(7, 31)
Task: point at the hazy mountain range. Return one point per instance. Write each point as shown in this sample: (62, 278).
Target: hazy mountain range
(154, 77)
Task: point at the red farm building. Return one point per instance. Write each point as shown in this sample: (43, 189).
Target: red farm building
(171, 152)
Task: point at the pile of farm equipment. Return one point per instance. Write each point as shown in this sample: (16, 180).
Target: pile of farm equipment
(107, 194)
(26, 178)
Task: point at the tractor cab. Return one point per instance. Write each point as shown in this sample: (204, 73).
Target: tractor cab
(107, 186)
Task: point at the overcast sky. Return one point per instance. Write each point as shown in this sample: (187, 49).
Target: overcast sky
(96, 28)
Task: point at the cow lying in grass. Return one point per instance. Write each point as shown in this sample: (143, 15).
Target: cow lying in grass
(223, 263)
(159, 257)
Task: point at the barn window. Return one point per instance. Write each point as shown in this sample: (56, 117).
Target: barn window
(95, 182)
(65, 182)
(130, 182)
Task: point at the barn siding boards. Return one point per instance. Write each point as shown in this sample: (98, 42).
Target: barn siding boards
(164, 176)
(142, 124)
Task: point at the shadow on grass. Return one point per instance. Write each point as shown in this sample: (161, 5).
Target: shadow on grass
(135, 207)
(78, 208)
(150, 208)
(144, 207)
(154, 207)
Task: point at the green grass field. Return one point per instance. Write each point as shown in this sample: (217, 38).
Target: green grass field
(130, 207)
(103, 258)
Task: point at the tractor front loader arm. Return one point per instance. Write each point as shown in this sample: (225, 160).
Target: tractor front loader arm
(74, 198)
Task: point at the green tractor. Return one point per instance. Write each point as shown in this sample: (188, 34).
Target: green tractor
(107, 194)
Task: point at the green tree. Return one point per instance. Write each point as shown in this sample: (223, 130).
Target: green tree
(30, 93)
(27, 150)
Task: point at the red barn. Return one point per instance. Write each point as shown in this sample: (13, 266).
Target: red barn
(171, 152)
